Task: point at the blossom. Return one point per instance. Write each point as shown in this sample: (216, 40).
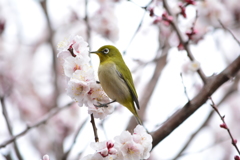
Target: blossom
(104, 22)
(72, 64)
(142, 137)
(82, 86)
(73, 46)
(127, 146)
(46, 157)
(193, 66)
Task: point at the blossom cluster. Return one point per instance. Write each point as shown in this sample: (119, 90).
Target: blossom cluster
(127, 146)
(82, 86)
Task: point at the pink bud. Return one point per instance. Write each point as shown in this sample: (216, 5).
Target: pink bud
(180, 47)
(151, 12)
(236, 158)
(157, 20)
(223, 126)
(183, 10)
(110, 145)
(192, 2)
(167, 17)
(234, 141)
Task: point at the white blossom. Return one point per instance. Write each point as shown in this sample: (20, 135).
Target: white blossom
(82, 86)
(46, 157)
(193, 66)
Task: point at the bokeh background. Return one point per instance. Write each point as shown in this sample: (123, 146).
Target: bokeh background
(32, 82)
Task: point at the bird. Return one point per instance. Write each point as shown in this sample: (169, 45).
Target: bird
(116, 79)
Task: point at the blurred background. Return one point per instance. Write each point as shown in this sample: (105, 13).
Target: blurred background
(32, 83)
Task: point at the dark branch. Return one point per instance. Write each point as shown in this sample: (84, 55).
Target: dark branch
(29, 127)
(180, 116)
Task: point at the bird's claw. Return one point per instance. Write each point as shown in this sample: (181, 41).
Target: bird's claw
(100, 105)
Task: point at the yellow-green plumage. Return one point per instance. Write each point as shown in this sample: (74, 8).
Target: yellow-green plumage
(116, 79)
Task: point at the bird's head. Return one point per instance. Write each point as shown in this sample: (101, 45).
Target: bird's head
(108, 52)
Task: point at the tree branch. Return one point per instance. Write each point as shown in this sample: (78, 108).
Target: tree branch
(5, 114)
(52, 113)
(66, 154)
(94, 128)
(232, 90)
(181, 115)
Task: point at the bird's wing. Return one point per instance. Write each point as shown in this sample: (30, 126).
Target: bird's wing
(129, 82)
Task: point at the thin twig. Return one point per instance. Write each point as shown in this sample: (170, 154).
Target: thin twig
(235, 38)
(183, 42)
(181, 115)
(232, 90)
(51, 113)
(88, 28)
(66, 154)
(53, 51)
(139, 26)
(94, 128)
(185, 89)
(224, 125)
(5, 114)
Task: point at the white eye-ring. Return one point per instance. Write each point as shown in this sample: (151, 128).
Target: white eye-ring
(106, 51)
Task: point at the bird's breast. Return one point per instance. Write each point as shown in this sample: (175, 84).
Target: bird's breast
(112, 84)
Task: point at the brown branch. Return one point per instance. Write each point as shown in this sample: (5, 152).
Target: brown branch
(88, 28)
(231, 90)
(184, 87)
(183, 42)
(181, 115)
(54, 57)
(43, 121)
(66, 154)
(5, 114)
(94, 128)
(224, 125)
(234, 37)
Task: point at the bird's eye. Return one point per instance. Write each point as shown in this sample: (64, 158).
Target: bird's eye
(106, 50)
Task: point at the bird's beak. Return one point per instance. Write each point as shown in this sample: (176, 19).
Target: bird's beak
(94, 52)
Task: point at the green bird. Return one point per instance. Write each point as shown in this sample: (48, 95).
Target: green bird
(116, 79)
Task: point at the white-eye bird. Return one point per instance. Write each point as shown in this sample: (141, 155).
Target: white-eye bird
(116, 78)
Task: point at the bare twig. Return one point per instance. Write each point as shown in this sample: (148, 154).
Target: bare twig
(94, 128)
(224, 125)
(43, 121)
(183, 42)
(139, 26)
(181, 115)
(5, 114)
(54, 57)
(235, 38)
(66, 154)
(232, 90)
(185, 89)
(88, 28)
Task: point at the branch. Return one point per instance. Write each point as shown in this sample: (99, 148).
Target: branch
(29, 127)
(224, 125)
(234, 37)
(94, 128)
(180, 116)
(54, 57)
(5, 114)
(139, 26)
(66, 154)
(232, 90)
(183, 42)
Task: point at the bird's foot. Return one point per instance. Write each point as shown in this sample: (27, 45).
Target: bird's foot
(101, 105)
(104, 105)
